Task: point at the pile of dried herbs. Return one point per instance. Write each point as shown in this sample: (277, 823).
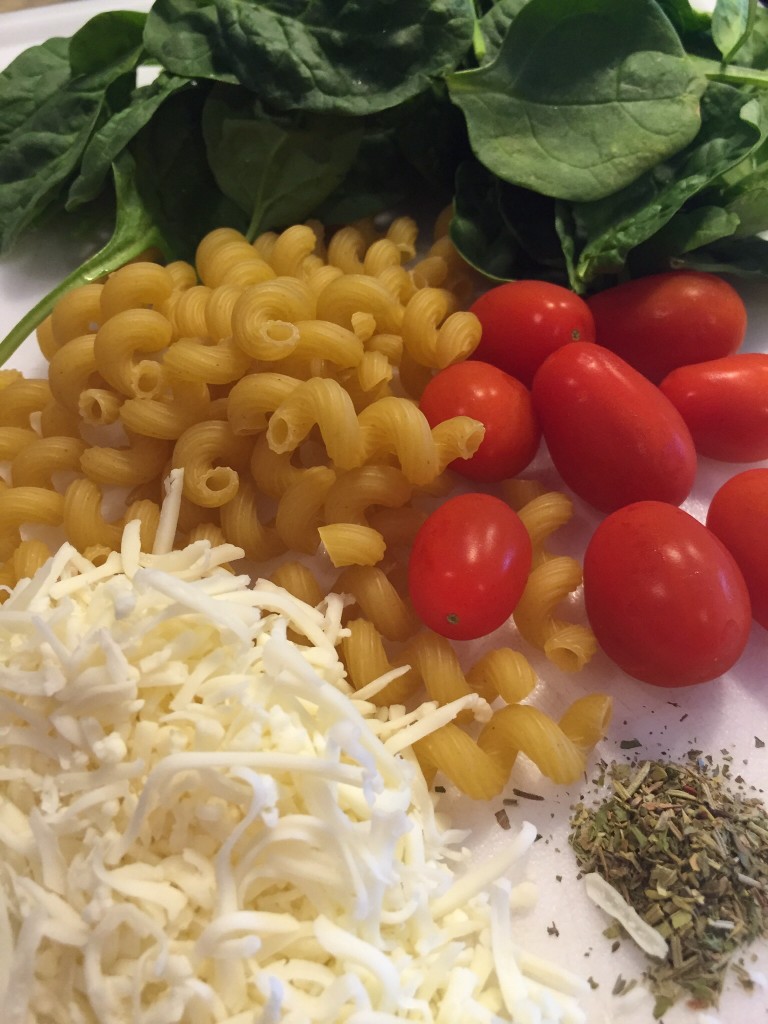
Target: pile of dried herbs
(691, 856)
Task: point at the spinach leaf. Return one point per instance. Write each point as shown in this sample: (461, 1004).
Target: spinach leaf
(342, 56)
(29, 81)
(378, 179)
(694, 27)
(184, 37)
(581, 99)
(111, 138)
(495, 23)
(753, 52)
(477, 229)
(505, 231)
(104, 40)
(609, 229)
(174, 177)
(134, 233)
(732, 22)
(744, 257)
(277, 171)
(745, 194)
(431, 134)
(42, 150)
(687, 231)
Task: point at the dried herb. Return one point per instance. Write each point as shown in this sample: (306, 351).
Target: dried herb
(503, 819)
(689, 854)
(527, 796)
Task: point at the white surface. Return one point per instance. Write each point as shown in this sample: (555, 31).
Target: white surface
(726, 714)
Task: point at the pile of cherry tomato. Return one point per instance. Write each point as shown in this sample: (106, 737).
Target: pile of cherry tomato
(627, 388)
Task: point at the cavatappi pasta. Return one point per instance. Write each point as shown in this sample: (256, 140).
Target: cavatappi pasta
(283, 376)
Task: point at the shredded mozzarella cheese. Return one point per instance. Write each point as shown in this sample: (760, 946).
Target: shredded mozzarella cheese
(200, 822)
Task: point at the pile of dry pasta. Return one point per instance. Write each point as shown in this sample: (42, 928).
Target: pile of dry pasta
(283, 377)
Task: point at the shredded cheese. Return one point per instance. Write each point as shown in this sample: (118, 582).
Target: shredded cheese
(612, 902)
(201, 823)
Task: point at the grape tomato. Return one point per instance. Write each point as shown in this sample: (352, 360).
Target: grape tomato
(500, 402)
(724, 402)
(524, 321)
(612, 435)
(666, 600)
(662, 321)
(468, 567)
(738, 515)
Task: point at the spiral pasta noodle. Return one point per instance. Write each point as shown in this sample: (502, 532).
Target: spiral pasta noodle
(553, 578)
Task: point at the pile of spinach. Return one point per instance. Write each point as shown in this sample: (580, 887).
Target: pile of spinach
(580, 141)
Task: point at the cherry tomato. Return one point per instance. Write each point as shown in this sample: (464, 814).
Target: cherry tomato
(613, 436)
(663, 321)
(501, 403)
(667, 602)
(738, 515)
(523, 321)
(469, 565)
(725, 404)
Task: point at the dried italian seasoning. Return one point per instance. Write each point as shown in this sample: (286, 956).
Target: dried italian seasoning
(690, 856)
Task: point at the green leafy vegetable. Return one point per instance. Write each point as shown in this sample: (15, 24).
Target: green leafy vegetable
(135, 233)
(582, 98)
(43, 147)
(732, 22)
(277, 172)
(579, 141)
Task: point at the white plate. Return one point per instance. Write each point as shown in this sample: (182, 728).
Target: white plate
(724, 715)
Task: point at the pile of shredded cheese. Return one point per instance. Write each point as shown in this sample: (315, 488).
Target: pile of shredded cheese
(200, 823)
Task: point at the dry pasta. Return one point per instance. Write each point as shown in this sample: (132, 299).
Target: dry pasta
(435, 332)
(378, 599)
(352, 493)
(22, 399)
(299, 511)
(242, 524)
(366, 659)
(83, 518)
(282, 376)
(570, 645)
(119, 344)
(141, 460)
(264, 317)
(36, 463)
(213, 459)
(78, 312)
(136, 285)
(352, 544)
(71, 371)
(299, 580)
(24, 505)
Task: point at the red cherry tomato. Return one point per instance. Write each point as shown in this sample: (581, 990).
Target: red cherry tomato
(725, 404)
(667, 602)
(663, 321)
(613, 436)
(501, 403)
(469, 565)
(738, 515)
(523, 321)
